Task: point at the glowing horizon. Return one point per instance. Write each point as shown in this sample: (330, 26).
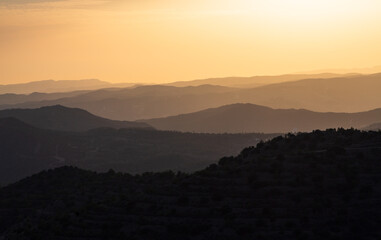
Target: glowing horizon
(166, 41)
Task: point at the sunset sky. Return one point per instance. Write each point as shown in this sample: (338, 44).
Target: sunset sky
(172, 40)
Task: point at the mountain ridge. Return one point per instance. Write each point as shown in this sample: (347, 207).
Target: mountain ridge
(65, 119)
(348, 94)
(237, 118)
(50, 86)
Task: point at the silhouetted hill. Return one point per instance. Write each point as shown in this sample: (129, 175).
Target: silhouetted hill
(239, 118)
(256, 81)
(346, 94)
(25, 150)
(66, 119)
(322, 185)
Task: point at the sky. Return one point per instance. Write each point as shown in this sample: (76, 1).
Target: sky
(156, 41)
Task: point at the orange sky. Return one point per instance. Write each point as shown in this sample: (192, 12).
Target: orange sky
(168, 40)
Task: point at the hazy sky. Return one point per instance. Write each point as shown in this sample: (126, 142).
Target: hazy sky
(170, 40)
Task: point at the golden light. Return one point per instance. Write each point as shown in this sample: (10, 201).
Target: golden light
(307, 11)
(184, 40)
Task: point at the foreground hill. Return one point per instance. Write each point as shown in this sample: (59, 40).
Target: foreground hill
(322, 185)
(66, 119)
(256, 81)
(25, 150)
(239, 118)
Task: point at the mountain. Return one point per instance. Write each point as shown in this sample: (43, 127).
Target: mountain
(255, 81)
(348, 94)
(50, 86)
(11, 98)
(25, 150)
(66, 119)
(321, 185)
(370, 70)
(240, 118)
(140, 102)
(344, 94)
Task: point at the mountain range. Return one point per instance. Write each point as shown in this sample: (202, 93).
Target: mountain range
(51, 86)
(256, 81)
(344, 94)
(241, 118)
(139, 102)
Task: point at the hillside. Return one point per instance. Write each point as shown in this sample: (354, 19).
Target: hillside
(256, 81)
(240, 118)
(322, 185)
(25, 150)
(345, 94)
(66, 119)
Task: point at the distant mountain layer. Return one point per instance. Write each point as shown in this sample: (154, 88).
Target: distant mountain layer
(12, 98)
(318, 186)
(25, 150)
(238, 118)
(256, 81)
(50, 86)
(344, 94)
(374, 127)
(66, 119)
(139, 102)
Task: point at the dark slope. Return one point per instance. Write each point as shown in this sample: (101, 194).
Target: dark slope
(66, 119)
(25, 150)
(238, 118)
(323, 185)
